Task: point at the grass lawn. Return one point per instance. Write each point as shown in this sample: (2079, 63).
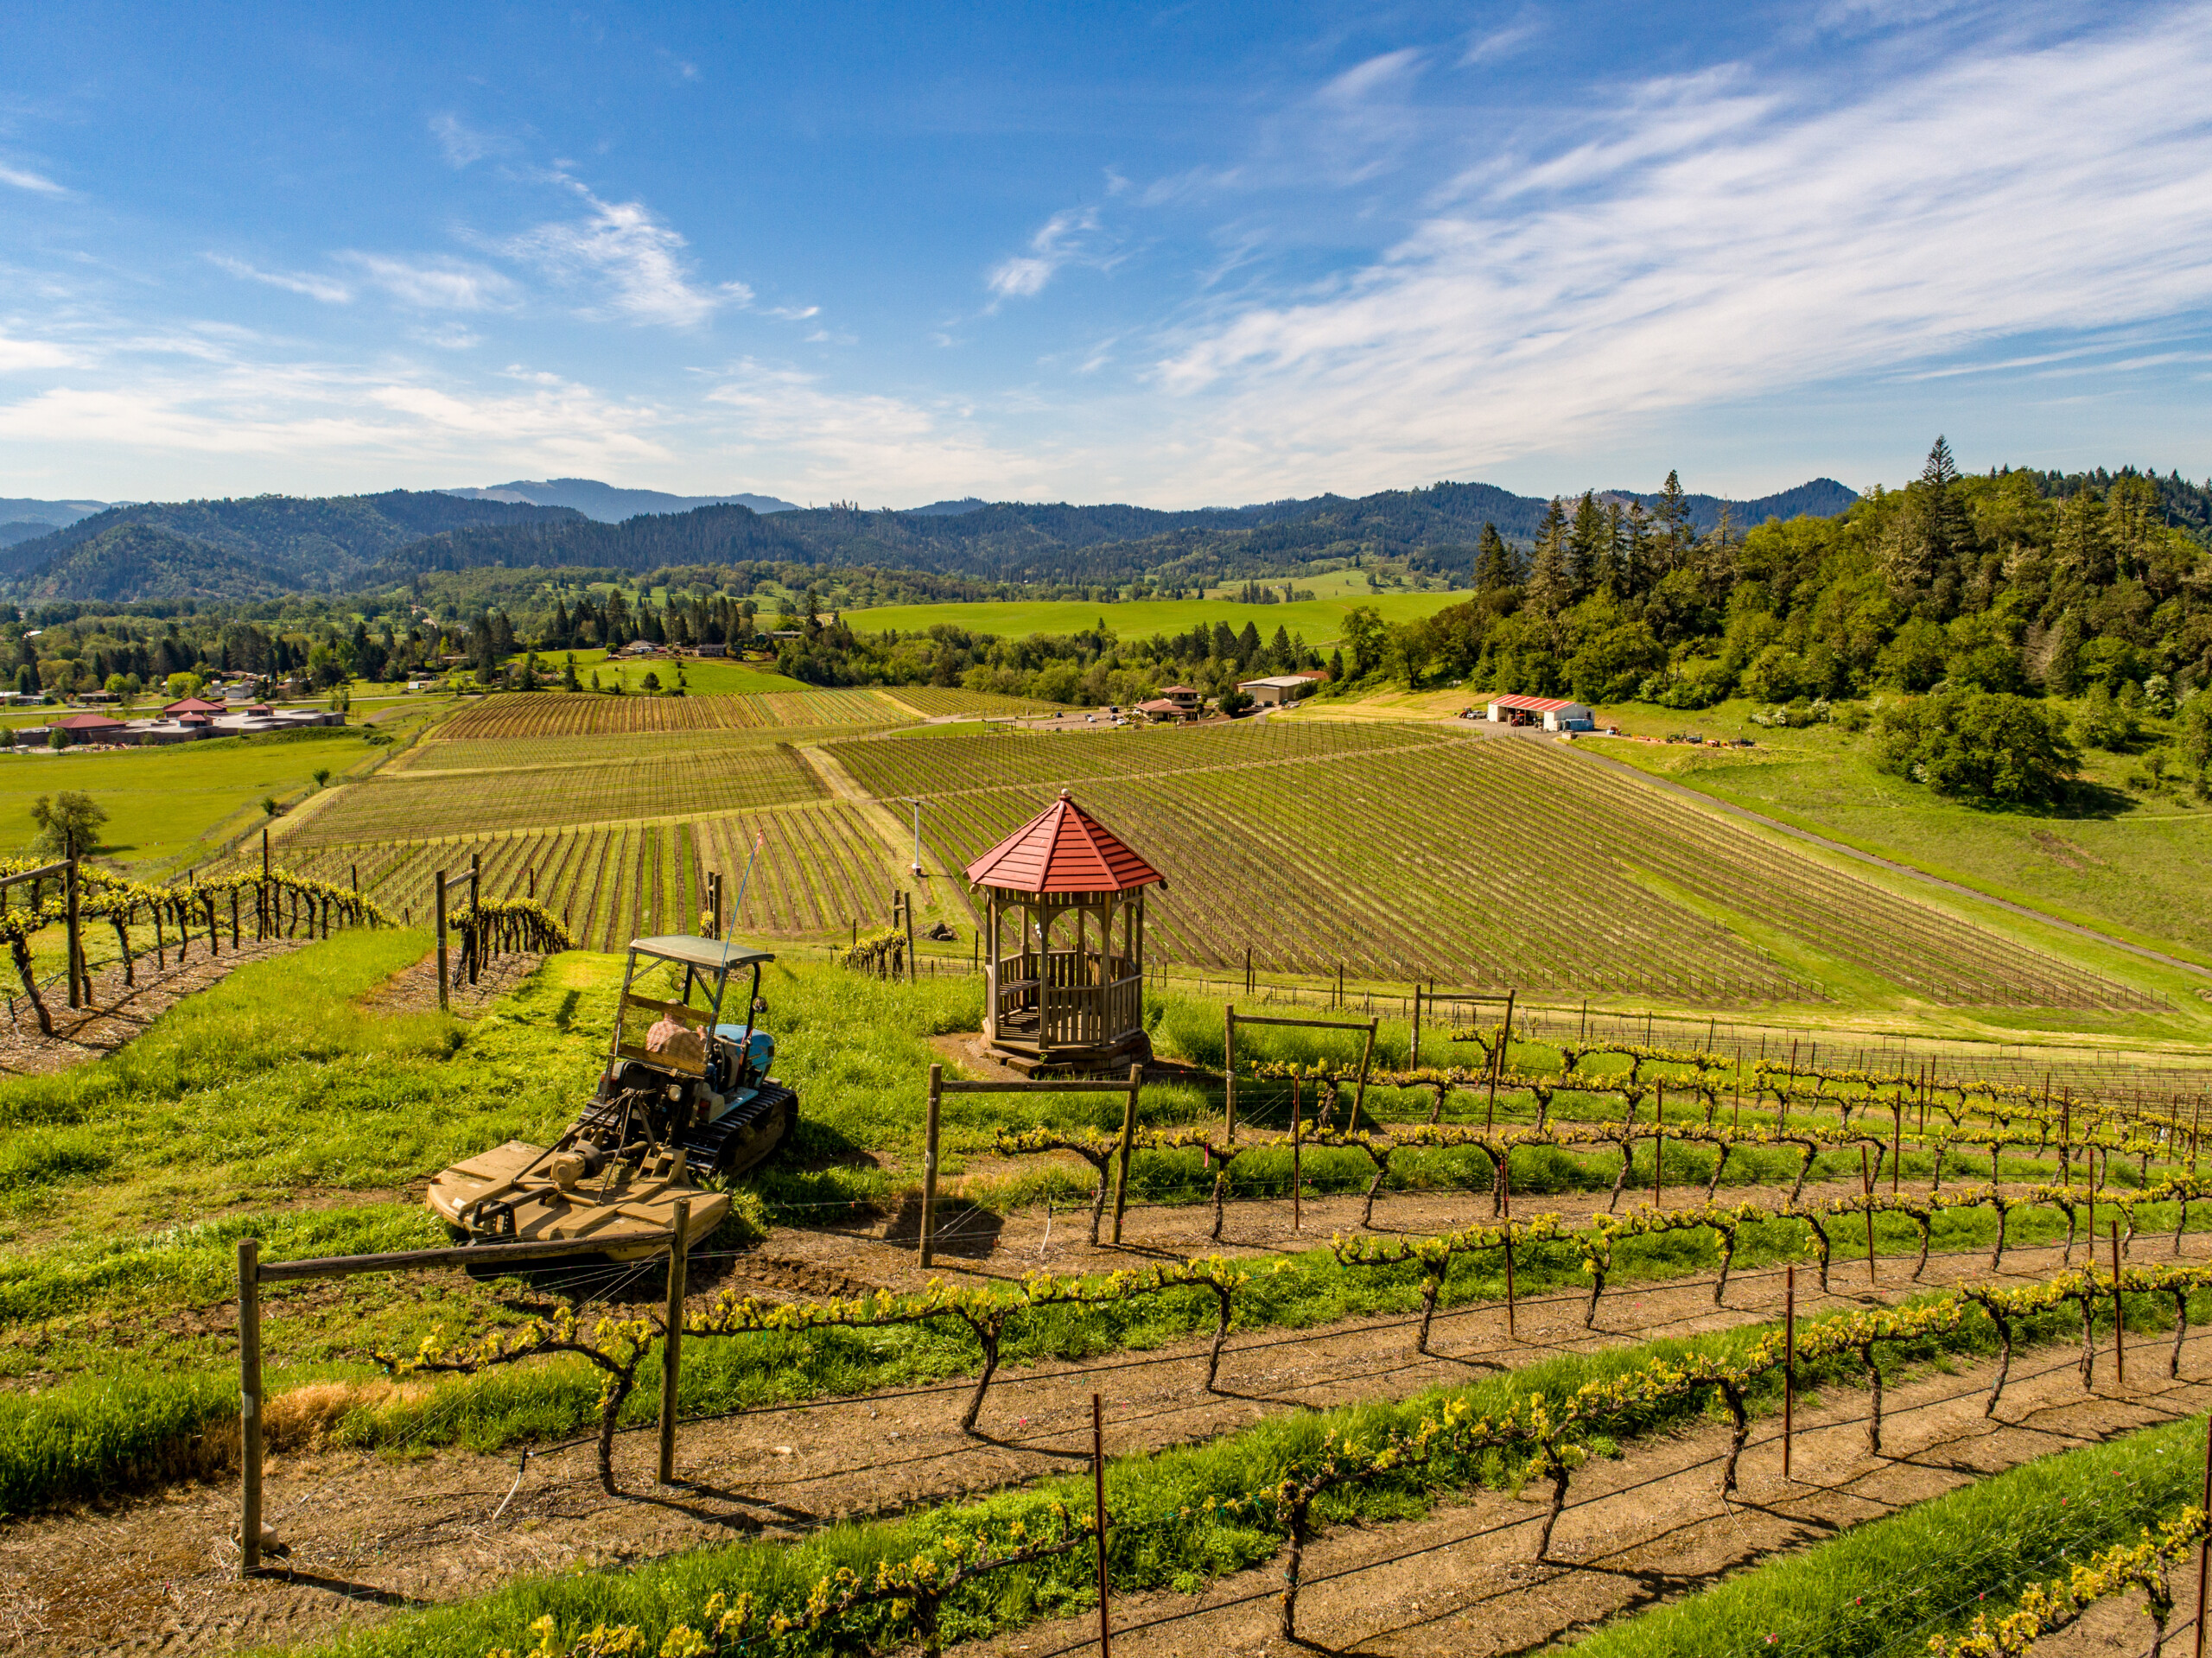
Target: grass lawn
(2128, 863)
(180, 803)
(706, 677)
(1319, 621)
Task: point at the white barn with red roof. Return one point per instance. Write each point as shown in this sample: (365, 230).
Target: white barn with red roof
(1552, 713)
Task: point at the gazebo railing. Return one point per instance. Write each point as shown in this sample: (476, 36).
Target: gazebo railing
(1058, 999)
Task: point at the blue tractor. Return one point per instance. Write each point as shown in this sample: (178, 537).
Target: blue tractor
(683, 1070)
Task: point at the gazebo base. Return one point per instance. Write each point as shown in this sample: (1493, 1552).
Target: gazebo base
(1133, 1049)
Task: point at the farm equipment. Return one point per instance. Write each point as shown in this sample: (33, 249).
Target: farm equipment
(685, 1097)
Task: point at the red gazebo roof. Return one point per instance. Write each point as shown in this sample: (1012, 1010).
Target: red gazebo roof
(1064, 850)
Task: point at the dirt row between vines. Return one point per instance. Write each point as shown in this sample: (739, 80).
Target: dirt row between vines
(368, 1533)
(118, 1012)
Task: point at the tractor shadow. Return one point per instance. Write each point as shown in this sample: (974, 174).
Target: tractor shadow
(963, 1230)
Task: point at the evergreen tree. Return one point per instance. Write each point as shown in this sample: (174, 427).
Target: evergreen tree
(1585, 546)
(1675, 535)
(1610, 544)
(1494, 565)
(1550, 585)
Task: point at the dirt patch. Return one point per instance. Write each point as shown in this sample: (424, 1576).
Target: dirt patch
(367, 1533)
(2064, 852)
(118, 1012)
(415, 989)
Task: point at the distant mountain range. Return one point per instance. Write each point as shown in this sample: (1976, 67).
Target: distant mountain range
(24, 519)
(267, 545)
(251, 549)
(607, 504)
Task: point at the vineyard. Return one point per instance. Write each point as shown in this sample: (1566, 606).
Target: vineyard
(422, 806)
(2130, 1329)
(440, 756)
(1408, 855)
(821, 867)
(550, 715)
(938, 701)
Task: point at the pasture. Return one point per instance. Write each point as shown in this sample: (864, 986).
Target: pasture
(1318, 621)
(179, 803)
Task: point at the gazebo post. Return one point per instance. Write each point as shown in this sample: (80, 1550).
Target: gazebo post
(991, 968)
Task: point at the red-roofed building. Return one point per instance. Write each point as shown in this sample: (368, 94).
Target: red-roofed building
(1075, 1000)
(191, 705)
(88, 728)
(1552, 713)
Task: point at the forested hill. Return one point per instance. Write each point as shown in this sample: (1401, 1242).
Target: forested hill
(1437, 529)
(243, 548)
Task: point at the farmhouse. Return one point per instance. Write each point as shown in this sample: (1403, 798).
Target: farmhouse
(1552, 713)
(188, 727)
(1277, 688)
(1174, 702)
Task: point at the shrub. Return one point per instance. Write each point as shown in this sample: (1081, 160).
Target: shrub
(1985, 747)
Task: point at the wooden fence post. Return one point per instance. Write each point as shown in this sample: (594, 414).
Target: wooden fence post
(1413, 1059)
(1866, 1180)
(443, 979)
(2119, 1314)
(1509, 1334)
(1297, 1145)
(1228, 1077)
(912, 967)
(1360, 1098)
(1789, 1365)
(75, 964)
(248, 1406)
(475, 911)
(672, 1352)
(929, 1167)
(1128, 1135)
(1098, 1515)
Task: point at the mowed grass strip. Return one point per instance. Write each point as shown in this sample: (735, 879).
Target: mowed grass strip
(1888, 1586)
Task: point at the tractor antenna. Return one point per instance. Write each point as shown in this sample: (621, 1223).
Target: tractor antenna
(743, 882)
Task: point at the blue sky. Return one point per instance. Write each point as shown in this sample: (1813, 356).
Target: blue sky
(1175, 254)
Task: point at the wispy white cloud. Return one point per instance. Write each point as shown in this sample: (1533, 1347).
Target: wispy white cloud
(23, 178)
(1717, 238)
(328, 289)
(434, 283)
(301, 417)
(20, 356)
(788, 424)
(636, 258)
(463, 144)
(1068, 237)
(1494, 45)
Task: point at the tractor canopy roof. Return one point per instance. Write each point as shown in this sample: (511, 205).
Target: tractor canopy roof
(707, 955)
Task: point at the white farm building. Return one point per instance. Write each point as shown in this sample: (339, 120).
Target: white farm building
(1552, 713)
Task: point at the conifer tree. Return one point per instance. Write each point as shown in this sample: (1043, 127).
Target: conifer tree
(1551, 586)
(1494, 564)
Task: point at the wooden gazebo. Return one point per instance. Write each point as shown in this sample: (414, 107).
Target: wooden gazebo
(1067, 986)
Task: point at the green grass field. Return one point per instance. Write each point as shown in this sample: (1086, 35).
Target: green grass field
(168, 805)
(1319, 621)
(2127, 864)
(705, 677)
